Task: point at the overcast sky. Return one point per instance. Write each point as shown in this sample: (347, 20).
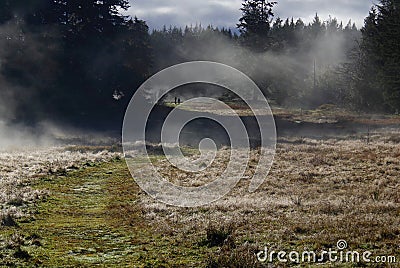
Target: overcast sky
(226, 13)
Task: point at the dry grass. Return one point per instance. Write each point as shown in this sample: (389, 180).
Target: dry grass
(331, 114)
(317, 192)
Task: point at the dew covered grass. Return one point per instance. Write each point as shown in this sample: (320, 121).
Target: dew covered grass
(317, 192)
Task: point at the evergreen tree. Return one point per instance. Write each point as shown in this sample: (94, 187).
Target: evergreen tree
(255, 23)
(388, 50)
(378, 79)
(73, 57)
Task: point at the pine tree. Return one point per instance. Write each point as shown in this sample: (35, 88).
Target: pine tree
(255, 23)
(379, 57)
(388, 49)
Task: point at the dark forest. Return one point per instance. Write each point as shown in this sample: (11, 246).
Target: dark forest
(76, 62)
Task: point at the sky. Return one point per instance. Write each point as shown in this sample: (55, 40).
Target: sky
(226, 13)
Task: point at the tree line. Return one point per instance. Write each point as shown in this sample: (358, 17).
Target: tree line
(81, 61)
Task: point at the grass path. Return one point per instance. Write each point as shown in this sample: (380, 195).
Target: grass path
(78, 225)
(91, 219)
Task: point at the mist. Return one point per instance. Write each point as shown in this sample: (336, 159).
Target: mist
(63, 74)
(285, 74)
(55, 82)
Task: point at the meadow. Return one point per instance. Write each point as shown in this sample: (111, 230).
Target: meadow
(79, 206)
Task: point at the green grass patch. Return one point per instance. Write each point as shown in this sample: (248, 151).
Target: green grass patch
(92, 218)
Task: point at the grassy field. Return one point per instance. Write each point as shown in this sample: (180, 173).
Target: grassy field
(92, 217)
(317, 193)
